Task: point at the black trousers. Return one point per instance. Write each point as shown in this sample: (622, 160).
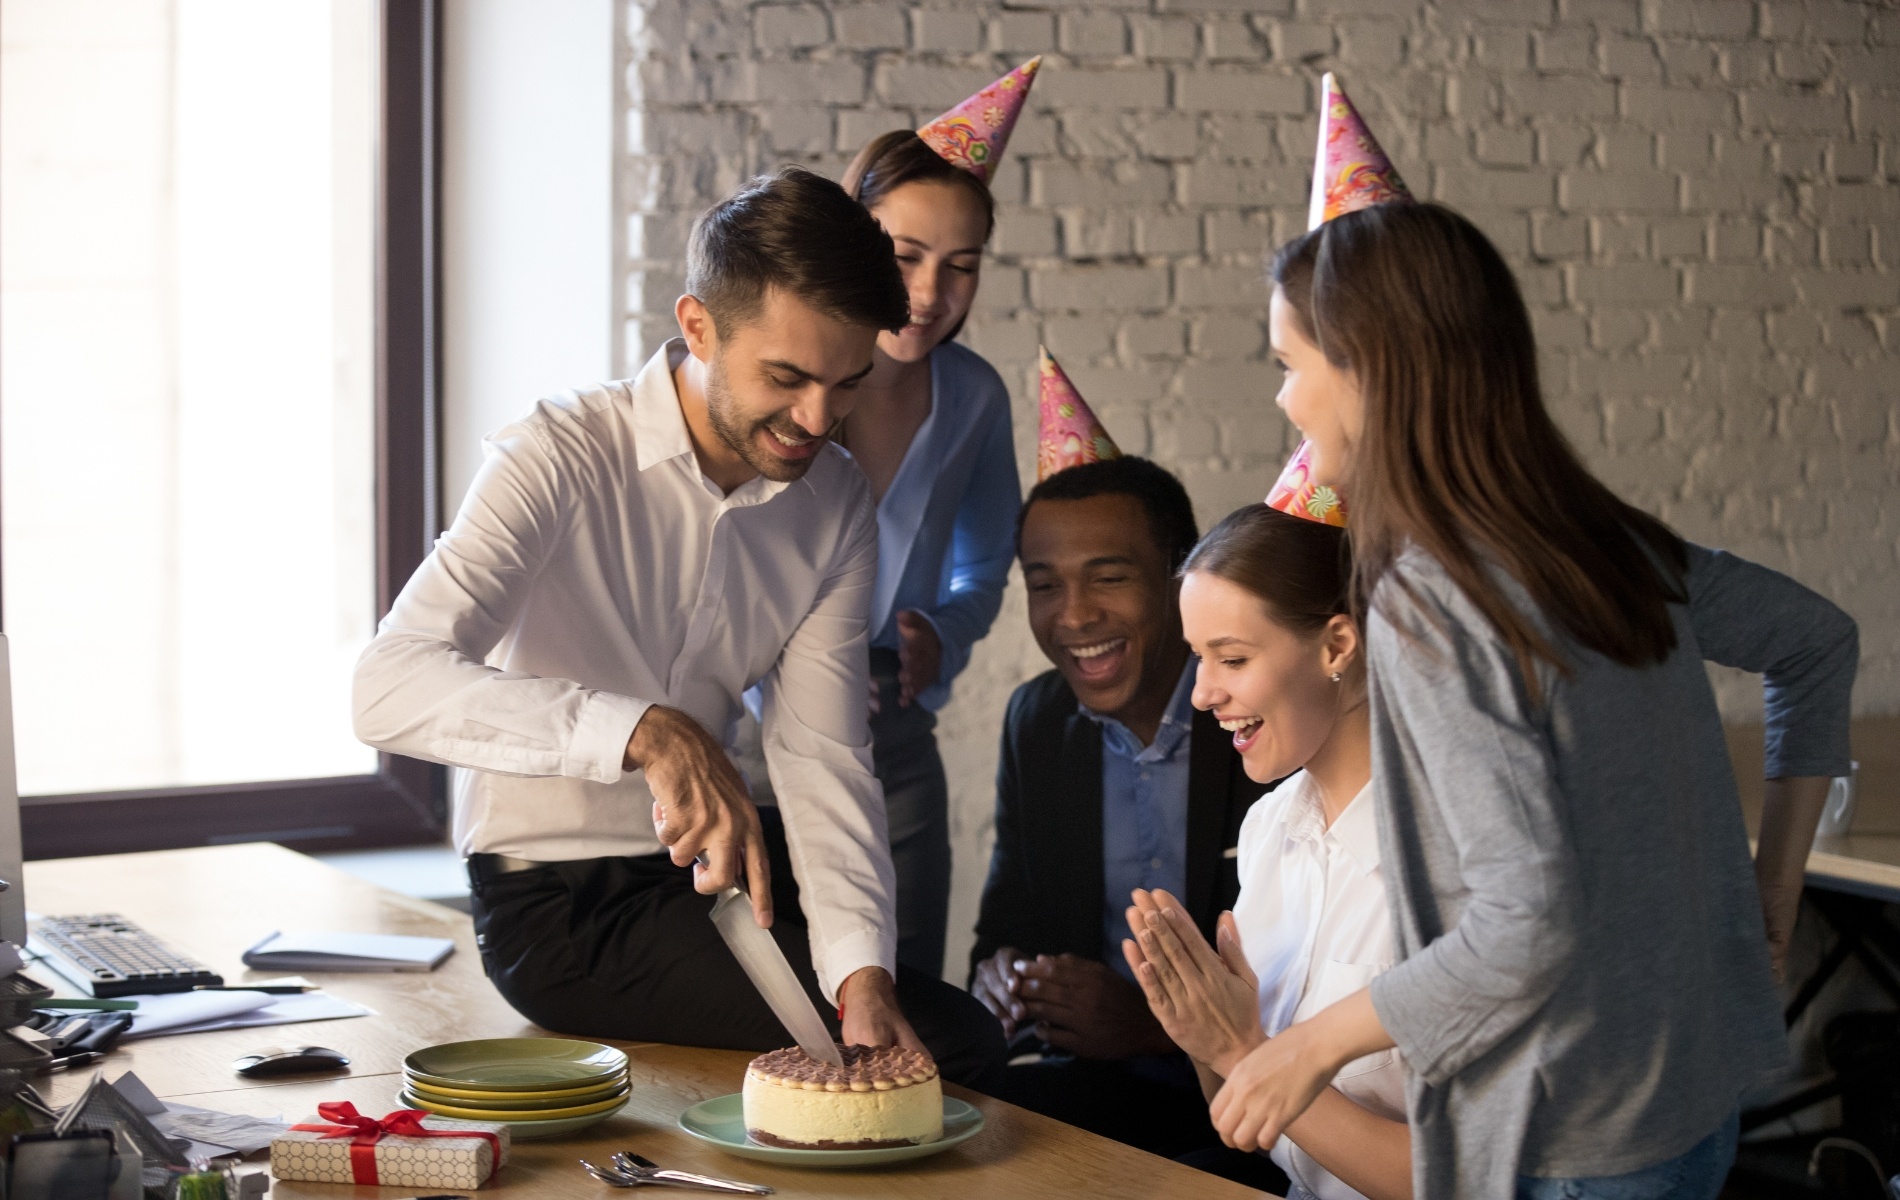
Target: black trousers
(624, 948)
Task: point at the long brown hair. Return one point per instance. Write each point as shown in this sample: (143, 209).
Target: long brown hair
(1459, 456)
(891, 160)
(1301, 570)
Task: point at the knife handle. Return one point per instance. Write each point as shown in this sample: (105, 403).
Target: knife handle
(699, 860)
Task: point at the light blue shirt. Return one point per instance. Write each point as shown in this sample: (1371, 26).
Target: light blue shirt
(1144, 813)
(946, 528)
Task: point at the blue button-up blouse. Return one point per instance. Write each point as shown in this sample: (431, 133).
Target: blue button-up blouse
(946, 528)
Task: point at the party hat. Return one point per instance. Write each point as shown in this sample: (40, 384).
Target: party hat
(1295, 492)
(1069, 435)
(1350, 171)
(972, 135)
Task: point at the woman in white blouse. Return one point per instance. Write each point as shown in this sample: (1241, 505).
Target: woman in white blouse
(1264, 604)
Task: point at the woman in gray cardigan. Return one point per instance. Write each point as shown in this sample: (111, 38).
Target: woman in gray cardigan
(1586, 980)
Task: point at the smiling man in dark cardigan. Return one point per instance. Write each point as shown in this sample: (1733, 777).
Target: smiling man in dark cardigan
(1108, 780)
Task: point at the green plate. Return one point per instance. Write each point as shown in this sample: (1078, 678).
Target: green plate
(516, 1064)
(721, 1122)
(528, 1131)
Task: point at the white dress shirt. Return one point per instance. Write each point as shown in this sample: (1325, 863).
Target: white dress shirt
(594, 571)
(1315, 929)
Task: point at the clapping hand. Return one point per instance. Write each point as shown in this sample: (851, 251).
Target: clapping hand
(1085, 1008)
(1207, 1001)
(997, 985)
(1279, 1079)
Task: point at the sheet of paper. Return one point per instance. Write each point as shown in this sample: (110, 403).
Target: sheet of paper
(162, 1014)
(227, 1133)
(211, 1134)
(269, 1010)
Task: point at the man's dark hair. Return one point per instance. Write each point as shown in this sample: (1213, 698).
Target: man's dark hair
(801, 233)
(1170, 512)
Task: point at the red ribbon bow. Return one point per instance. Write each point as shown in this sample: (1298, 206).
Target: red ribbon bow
(364, 1132)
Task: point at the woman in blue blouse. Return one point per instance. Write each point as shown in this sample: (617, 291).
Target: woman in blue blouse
(932, 432)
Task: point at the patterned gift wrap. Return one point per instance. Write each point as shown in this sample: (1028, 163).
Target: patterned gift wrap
(407, 1148)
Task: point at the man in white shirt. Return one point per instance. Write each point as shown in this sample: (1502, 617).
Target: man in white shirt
(629, 560)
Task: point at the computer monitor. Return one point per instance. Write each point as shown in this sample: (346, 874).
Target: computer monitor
(13, 900)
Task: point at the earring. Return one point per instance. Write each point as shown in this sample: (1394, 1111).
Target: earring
(1336, 677)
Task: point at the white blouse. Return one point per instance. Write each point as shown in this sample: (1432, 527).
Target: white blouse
(1315, 928)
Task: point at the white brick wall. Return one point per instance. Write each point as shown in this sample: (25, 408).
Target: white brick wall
(1701, 197)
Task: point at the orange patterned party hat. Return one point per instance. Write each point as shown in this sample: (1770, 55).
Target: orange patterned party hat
(1295, 492)
(1351, 172)
(972, 135)
(1069, 434)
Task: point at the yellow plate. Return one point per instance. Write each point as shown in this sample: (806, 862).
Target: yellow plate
(438, 1091)
(515, 1101)
(536, 1114)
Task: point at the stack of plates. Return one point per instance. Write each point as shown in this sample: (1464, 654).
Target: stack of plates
(540, 1087)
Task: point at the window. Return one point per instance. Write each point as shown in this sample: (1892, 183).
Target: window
(216, 410)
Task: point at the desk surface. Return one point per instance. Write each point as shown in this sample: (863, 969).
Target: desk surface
(1866, 864)
(212, 902)
(1867, 860)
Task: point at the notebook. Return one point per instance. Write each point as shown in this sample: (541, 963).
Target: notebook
(347, 952)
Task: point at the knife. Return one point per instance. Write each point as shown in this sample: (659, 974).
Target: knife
(765, 965)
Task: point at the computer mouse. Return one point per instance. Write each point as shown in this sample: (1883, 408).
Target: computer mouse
(290, 1060)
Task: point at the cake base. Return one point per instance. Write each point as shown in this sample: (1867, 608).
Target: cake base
(766, 1139)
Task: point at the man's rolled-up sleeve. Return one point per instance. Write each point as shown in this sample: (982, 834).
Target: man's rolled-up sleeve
(421, 687)
(817, 740)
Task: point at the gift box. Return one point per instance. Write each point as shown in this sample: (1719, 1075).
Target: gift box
(407, 1148)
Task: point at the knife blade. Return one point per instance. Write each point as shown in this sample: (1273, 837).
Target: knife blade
(765, 965)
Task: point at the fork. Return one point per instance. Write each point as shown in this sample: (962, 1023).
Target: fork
(639, 1166)
(610, 1178)
(629, 1173)
(642, 1167)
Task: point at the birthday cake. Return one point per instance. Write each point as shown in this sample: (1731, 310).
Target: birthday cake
(882, 1096)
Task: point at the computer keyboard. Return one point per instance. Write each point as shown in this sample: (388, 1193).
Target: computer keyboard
(107, 955)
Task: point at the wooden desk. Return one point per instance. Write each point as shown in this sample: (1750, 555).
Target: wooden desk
(213, 902)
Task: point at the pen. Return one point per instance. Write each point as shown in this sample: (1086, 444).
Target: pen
(269, 989)
(82, 1002)
(73, 1060)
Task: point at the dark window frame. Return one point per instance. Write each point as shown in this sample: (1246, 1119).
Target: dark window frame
(404, 802)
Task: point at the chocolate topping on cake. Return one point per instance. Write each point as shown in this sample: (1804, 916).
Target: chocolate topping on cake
(865, 1069)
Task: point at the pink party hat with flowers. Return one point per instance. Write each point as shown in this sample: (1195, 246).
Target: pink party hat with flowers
(1069, 435)
(1296, 494)
(1350, 172)
(972, 135)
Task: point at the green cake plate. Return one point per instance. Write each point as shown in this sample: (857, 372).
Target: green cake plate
(721, 1122)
